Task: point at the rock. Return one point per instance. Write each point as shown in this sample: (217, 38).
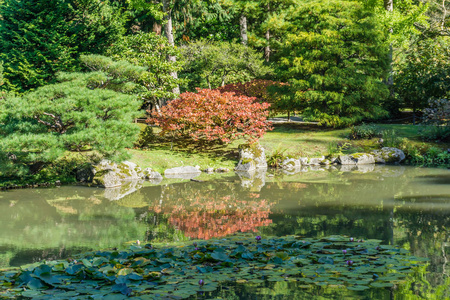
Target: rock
(252, 157)
(388, 155)
(209, 170)
(181, 170)
(149, 173)
(110, 174)
(316, 161)
(222, 170)
(290, 164)
(356, 159)
(303, 161)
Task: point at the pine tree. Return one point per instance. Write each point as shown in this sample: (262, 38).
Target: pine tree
(334, 55)
(39, 38)
(84, 111)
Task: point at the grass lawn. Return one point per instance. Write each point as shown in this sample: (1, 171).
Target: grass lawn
(290, 139)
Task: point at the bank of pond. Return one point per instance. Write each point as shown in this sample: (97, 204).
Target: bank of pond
(329, 234)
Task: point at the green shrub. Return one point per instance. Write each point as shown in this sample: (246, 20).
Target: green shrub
(390, 138)
(276, 158)
(146, 137)
(364, 131)
(435, 133)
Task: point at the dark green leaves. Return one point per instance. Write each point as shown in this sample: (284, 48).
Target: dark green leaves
(183, 272)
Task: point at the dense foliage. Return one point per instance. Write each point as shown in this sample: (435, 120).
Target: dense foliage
(425, 74)
(333, 55)
(183, 272)
(39, 38)
(76, 114)
(214, 64)
(258, 88)
(210, 116)
(150, 51)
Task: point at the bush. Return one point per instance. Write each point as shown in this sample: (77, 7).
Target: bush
(211, 117)
(146, 137)
(435, 133)
(258, 88)
(40, 127)
(365, 131)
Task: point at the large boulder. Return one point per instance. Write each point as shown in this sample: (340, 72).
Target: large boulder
(356, 159)
(388, 155)
(110, 174)
(252, 157)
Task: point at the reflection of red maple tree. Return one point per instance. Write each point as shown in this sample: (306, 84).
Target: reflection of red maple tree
(205, 218)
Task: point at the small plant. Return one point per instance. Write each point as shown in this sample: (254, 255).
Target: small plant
(364, 131)
(276, 158)
(390, 138)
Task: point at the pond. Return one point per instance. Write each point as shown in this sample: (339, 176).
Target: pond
(403, 206)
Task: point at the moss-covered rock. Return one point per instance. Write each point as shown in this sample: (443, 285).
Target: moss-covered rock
(110, 174)
(388, 155)
(252, 157)
(356, 159)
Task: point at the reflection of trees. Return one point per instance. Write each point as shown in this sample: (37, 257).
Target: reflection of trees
(203, 211)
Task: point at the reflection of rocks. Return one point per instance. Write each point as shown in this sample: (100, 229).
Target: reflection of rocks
(388, 155)
(252, 157)
(365, 168)
(253, 180)
(125, 189)
(187, 172)
(386, 171)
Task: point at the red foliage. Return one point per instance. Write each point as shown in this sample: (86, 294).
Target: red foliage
(256, 88)
(208, 218)
(210, 115)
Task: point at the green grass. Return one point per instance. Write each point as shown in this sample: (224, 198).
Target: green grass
(291, 139)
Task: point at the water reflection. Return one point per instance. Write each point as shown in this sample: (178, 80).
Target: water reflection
(409, 207)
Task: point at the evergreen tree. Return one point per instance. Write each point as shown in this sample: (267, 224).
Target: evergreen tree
(39, 38)
(152, 52)
(333, 54)
(214, 64)
(84, 111)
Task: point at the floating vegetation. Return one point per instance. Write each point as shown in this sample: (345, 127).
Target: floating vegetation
(184, 271)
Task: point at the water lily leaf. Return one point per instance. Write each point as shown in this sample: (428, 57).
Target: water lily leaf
(122, 288)
(357, 287)
(219, 255)
(35, 284)
(326, 260)
(381, 284)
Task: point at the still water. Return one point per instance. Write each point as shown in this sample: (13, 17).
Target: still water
(404, 206)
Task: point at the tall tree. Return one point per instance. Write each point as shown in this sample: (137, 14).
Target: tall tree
(39, 38)
(334, 55)
(152, 52)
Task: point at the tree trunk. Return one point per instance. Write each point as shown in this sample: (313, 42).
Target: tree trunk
(267, 35)
(389, 6)
(157, 28)
(267, 48)
(169, 34)
(243, 27)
